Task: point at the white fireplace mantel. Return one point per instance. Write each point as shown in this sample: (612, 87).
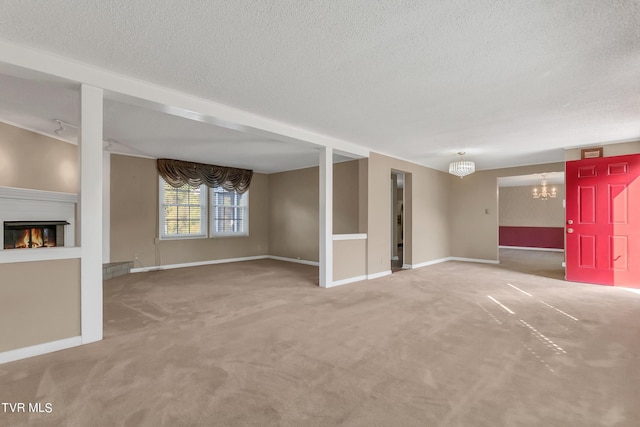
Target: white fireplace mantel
(40, 195)
(22, 204)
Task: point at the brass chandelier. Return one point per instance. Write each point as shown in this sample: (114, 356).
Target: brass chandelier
(544, 193)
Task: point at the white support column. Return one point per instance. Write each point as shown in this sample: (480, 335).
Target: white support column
(90, 207)
(326, 217)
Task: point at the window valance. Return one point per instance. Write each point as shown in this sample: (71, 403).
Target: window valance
(178, 173)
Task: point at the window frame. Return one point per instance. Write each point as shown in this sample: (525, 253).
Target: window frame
(162, 218)
(212, 209)
(207, 210)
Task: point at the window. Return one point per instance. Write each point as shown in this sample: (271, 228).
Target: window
(182, 211)
(229, 213)
(188, 212)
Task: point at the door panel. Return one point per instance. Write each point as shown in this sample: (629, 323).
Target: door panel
(587, 205)
(618, 203)
(587, 251)
(603, 221)
(619, 249)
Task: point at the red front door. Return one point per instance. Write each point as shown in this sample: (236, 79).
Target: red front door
(603, 221)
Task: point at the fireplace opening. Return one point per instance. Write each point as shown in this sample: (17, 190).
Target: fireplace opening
(33, 234)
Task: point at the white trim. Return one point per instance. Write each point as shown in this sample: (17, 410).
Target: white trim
(325, 214)
(38, 349)
(526, 248)
(306, 262)
(40, 195)
(635, 291)
(170, 237)
(378, 275)
(196, 264)
(39, 254)
(90, 149)
(482, 261)
(426, 263)
(349, 280)
(451, 258)
(297, 261)
(358, 236)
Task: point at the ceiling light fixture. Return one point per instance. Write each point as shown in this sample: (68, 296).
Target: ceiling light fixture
(544, 193)
(462, 167)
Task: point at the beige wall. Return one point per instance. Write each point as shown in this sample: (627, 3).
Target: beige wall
(294, 209)
(363, 196)
(39, 302)
(426, 213)
(293, 214)
(134, 210)
(31, 160)
(518, 208)
(349, 259)
(474, 210)
(134, 219)
(346, 179)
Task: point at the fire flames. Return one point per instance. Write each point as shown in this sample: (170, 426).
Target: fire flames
(33, 238)
(36, 238)
(23, 240)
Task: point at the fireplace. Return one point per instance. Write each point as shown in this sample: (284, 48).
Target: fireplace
(33, 234)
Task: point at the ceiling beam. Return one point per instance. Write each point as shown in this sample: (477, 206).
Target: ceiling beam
(144, 94)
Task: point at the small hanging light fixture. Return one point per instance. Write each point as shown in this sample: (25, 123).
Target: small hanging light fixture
(544, 193)
(462, 167)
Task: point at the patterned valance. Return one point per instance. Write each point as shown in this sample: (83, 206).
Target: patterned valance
(178, 173)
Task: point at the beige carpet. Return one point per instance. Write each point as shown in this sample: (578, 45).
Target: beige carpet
(258, 344)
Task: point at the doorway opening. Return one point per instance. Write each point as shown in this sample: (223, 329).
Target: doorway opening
(531, 218)
(397, 198)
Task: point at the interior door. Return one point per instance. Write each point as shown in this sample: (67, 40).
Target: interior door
(603, 221)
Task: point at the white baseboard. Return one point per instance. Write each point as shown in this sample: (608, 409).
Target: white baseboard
(349, 280)
(451, 258)
(426, 263)
(221, 261)
(38, 349)
(196, 264)
(482, 261)
(378, 275)
(298, 261)
(525, 248)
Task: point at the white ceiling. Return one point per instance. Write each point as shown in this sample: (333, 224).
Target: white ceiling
(509, 82)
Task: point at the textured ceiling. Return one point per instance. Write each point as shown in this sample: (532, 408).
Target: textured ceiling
(509, 82)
